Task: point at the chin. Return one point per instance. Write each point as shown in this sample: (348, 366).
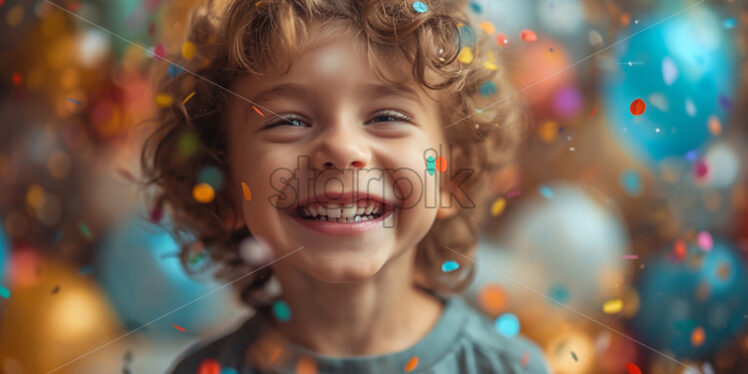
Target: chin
(343, 269)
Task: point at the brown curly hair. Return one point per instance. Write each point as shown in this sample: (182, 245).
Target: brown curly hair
(236, 38)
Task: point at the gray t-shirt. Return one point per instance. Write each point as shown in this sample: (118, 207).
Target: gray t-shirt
(462, 341)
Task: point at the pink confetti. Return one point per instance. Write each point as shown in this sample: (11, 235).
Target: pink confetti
(160, 51)
(630, 257)
(705, 241)
(513, 194)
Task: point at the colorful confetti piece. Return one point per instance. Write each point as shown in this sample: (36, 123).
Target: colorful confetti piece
(679, 250)
(492, 299)
(528, 35)
(631, 182)
(258, 111)
(229, 371)
(412, 364)
(502, 40)
(475, 7)
(613, 306)
(209, 366)
(74, 101)
(448, 266)
(633, 369)
(498, 207)
(420, 7)
(85, 230)
(546, 191)
(637, 107)
(174, 70)
(487, 27)
(4, 292)
(431, 165)
(160, 51)
(180, 328)
(488, 89)
(247, 192)
(715, 126)
(465, 56)
(705, 241)
(306, 365)
(281, 311)
(525, 359)
(574, 356)
(508, 325)
(188, 97)
(203, 193)
(698, 336)
(630, 257)
(559, 293)
(188, 50)
(441, 164)
(163, 100)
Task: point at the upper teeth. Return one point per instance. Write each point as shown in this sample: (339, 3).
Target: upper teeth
(361, 207)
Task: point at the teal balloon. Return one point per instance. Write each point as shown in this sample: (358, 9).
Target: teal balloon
(677, 297)
(684, 70)
(138, 267)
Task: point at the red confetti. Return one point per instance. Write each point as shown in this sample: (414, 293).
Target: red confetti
(16, 79)
(74, 6)
(180, 328)
(528, 36)
(594, 110)
(258, 111)
(633, 369)
(679, 251)
(525, 359)
(160, 51)
(209, 366)
(638, 107)
(513, 194)
(156, 213)
(502, 39)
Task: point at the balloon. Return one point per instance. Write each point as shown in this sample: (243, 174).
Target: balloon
(145, 280)
(691, 307)
(683, 70)
(58, 318)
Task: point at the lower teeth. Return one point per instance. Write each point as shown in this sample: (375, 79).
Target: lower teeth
(343, 220)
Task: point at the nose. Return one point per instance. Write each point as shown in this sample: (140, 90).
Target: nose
(341, 146)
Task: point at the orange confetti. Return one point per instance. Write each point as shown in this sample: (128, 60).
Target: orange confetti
(715, 127)
(441, 164)
(679, 250)
(180, 328)
(698, 336)
(633, 369)
(412, 363)
(594, 110)
(247, 192)
(492, 299)
(258, 111)
(638, 107)
(502, 39)
(306, 365)
(528, 36)
(209, 366)
(487, 27)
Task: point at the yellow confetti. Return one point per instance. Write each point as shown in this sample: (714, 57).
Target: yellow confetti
(203, 193)
(163, 100)
(487, 27)
(247, 192)
(548, 131)
(188, 50)
(613, 306)
(188, 97)
(498, 207)
(490, 65)
(466, 55)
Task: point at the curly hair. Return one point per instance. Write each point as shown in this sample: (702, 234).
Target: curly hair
(238, 38)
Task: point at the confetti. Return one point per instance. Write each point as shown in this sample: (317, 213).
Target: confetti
(258, 111)
(188, 143)
(498, 207)
(700, 169)
(630, 257)
(669, 71)
(174, 70)
(613, 306)
(85, 230)
(492, 299)
(633, 369)
(631, 182)
(546, 191)
(306, 365)
(203, 193)
(490, 65)
(86, 270)
(441, 164)
(156, 213)
(412, 364)
(247, 192)
(476, 7)
(679, 250)
(465, 56)
(209, 366)
(163, 100)
(488, 89)
(705, 241)
(160, 51)
(16, 79)
(448, 266)
(548, 131)
(525, 359)
(637, 107)
(229, 371)
(574, 356)
(715, 126)
(729, 23)
(508, 325)
(528, 36)
(420, 7)
(502, 40)
(281, 311)
(559, 293)
(430, 165)
(188, 50)
(698, 336)
(180, 328)
(487, 27)
(4, 292)
(513, 194)
(74, 101)
(188, 97)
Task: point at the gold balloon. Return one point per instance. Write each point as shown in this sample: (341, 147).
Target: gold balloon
(53, 321)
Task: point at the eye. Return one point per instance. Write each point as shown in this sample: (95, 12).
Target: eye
(291, 121)
(390, 116)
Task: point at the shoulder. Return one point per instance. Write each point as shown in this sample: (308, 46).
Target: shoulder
(225, 350)
(507, 354)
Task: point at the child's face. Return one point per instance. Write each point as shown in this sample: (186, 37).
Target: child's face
(338, 118)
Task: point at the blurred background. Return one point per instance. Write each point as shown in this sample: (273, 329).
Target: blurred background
(618, 241)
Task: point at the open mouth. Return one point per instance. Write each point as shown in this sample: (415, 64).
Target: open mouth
(359, 211)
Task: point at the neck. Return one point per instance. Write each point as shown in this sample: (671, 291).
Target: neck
(384, 314)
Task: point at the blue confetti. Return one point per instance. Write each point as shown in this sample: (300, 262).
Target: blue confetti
(229, 371)
(431, 165)
(174, 70)
(488, 88)
(476, 7)
(574, 356)
(466, 34)
(4, 292)
(281, 311)
(212, 176)
(691, 155)
(420, 7)
(631, 182)
(450, 266)
(729, 23)
(546, 191)
(508, 325)
(86, 270)
(74, 101)
(559, 293)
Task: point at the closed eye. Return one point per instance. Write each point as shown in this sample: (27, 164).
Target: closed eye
(390, 116)
(291, 121)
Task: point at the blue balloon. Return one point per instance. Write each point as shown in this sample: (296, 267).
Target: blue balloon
(684, 70)
(707, 290)
(144, 279)
(4, 245)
